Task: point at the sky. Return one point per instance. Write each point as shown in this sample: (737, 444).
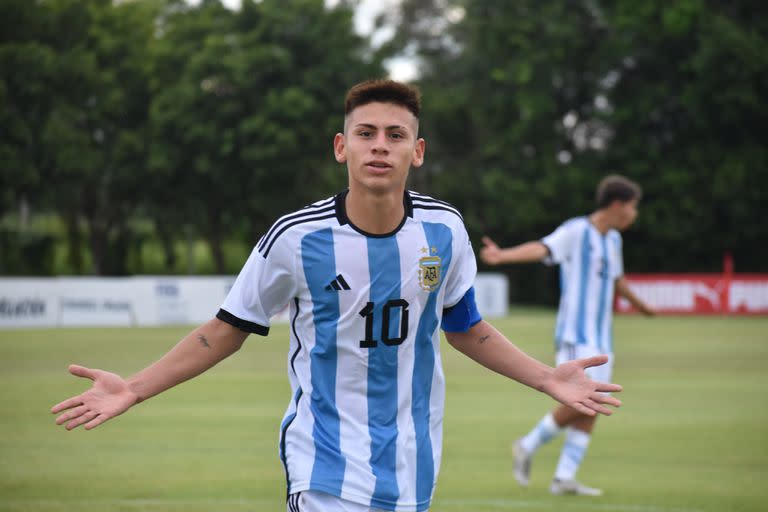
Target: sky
(399, 69)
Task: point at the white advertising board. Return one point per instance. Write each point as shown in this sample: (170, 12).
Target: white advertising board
(151, 300)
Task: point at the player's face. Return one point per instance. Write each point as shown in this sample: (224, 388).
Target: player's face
(624, 214)
(379, 145)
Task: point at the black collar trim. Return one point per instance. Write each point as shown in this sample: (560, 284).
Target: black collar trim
(341, 214)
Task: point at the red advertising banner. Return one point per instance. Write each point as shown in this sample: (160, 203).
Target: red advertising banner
(700, 294)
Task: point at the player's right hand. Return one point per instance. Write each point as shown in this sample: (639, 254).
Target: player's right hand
(109, 396)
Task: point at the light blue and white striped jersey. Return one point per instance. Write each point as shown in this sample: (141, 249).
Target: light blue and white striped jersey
(590, 262)
(365, 419)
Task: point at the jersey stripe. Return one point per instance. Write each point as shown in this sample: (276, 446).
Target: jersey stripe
(428, 199)
(581, 318)
(320, 216)
(436, 206)
(605, 272)
(563, 313)
(438, 235)
(284, 430)
(289, 419)
(318, 260)
(384, 269)
(320, 207)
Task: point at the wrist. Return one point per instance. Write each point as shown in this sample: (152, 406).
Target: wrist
(546, 381)
(135, 388)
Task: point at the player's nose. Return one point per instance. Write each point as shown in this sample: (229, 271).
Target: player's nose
(380, 143)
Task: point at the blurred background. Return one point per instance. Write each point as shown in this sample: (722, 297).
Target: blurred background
(164, 136)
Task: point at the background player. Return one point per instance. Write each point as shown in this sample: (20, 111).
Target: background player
(369, 275)
(589, 252)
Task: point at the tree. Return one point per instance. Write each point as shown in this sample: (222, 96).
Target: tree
(244, 109)
(501, 87)
(533, 102)
(76, 83)
(690, 104)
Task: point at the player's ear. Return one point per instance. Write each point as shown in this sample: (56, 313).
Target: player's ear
(418, 153)
(340, 148)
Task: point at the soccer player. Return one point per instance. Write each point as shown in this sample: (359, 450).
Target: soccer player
(369, 274)
(589, 252)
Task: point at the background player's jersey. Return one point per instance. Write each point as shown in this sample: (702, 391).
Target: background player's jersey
(365, 419)
(589, 264)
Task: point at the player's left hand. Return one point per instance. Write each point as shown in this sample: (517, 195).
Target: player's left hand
(570, 385)
(490, 253)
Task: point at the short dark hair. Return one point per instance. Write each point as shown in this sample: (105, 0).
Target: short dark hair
(616, 188)
(383, 91)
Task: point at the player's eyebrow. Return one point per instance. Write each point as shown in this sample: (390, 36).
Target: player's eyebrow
(374, 127)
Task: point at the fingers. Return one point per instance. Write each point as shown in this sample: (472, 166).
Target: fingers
(488, 241)
(84, 418)
(594, 406)
(588, 362)
(78, 371)
(601, 409)
(82, 371)
(80, 415)
(67, 404)
(95, 422)
(608, 400)
(582, 408)
(605, 387)
(75, 412)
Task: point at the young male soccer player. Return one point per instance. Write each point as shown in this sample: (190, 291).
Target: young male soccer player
(589, 252)
(369, 274)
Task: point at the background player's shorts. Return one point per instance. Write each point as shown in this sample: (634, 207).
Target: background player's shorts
(312, 501)
(570, 351)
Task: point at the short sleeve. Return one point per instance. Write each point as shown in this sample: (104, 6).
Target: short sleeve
(463, 268)
(263, 287)
(561, 242)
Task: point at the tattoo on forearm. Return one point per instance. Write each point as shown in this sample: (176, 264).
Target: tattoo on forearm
(483, 339)
(202, 339)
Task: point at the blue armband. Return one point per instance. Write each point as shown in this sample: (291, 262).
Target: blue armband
(463, 315)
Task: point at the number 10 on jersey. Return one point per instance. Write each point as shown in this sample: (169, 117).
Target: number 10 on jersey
(389, 308)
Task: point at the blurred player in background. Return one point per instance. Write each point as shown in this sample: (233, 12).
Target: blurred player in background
(589, 252)
(369, 274)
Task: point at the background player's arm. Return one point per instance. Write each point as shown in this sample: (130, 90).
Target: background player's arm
(623, 289)
(567, 383)
(111, 395)
(528, 252)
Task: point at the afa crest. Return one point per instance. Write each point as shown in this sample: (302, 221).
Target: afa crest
(429, 273)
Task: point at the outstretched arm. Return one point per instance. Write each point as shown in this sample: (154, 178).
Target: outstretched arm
(528, 252)
(111, 395)
(567, 383)
(623, 289)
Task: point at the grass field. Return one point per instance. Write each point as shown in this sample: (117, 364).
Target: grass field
(692, 435)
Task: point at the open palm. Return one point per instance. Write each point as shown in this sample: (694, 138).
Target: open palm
(571, 386)
(109, 396)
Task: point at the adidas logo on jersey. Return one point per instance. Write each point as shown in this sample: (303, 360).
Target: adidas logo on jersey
(338, 284)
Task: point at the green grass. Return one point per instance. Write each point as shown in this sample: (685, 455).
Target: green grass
(692, 435)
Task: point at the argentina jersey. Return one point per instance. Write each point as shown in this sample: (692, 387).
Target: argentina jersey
(589, 262)
(364, 422)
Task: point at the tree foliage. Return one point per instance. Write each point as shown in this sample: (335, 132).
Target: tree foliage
(247, 102)
(533, 102)
(182, 114)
